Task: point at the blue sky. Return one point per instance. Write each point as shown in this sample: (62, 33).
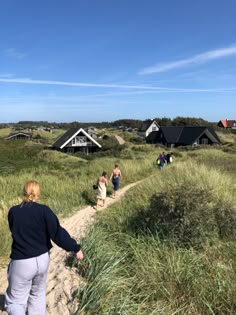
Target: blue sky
(103, 60)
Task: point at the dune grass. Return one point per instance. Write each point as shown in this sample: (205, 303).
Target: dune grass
(130, 268)
(66, 180)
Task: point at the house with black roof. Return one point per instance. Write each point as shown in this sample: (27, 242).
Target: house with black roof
(147, 127)
(19, 136)
(77, 140)
(173, 136)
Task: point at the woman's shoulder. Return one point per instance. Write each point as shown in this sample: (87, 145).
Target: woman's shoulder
(116, 170)
(39, 206)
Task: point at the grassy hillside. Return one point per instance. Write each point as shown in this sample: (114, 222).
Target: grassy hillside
(169, 247)
(66, 180)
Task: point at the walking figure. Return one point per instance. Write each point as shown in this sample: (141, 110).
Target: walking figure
(115, 178)
(33, 226)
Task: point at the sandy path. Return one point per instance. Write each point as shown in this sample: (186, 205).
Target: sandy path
(120, 139)
(63, 281)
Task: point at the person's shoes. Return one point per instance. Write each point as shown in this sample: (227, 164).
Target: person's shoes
(95, 207)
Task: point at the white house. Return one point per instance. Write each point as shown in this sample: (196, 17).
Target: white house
(76, 140)
(147, 127)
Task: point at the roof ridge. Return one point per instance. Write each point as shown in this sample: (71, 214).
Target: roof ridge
(180, 133)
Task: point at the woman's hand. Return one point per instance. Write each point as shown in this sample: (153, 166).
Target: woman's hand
(80, 255)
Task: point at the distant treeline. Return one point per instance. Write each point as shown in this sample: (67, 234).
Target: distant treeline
(132, 123)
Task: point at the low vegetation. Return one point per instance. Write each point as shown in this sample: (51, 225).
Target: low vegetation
(167, 248)
(66, 180)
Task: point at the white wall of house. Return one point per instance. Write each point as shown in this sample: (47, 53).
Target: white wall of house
(154, 127)
(80, 141)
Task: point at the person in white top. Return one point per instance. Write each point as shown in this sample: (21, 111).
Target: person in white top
(102, 183)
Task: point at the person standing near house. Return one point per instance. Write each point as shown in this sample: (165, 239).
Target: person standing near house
(33, 226)
(162, 159)
(169, 158)
(115, 178)
(102, 183)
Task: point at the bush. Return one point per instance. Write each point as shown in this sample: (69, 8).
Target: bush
(183, 214)
(137, 140)
(189, 215)
(226, 219)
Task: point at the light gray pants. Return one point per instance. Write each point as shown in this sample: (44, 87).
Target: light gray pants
(27, 286)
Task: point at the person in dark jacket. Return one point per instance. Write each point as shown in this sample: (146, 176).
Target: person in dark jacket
(169, 158)
(33, 226)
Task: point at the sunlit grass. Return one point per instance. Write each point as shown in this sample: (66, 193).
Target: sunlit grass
(130, 270)
(65, 180)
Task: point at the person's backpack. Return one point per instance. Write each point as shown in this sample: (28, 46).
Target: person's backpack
(158, 161)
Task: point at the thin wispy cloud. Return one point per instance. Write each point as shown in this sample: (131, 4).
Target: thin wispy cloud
(13, 53)
(6, 75)
(194, 60)
(108, 86)
(78, 84)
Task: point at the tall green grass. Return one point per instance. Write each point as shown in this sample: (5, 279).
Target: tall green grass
(65, 180)
(130, 268)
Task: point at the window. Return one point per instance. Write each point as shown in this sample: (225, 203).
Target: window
(204, 141)
(81, 139)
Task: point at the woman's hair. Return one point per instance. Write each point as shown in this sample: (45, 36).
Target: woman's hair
(31, 191)
(104, 174)
(116, 165)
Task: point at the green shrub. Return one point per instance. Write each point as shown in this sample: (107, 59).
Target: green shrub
(183, 214)
(187, 203)
(225, 214)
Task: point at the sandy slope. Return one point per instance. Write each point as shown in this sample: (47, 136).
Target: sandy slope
(62, 281)
(120, 139)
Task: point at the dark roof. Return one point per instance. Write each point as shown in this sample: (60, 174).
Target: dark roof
(189, 134)
(212, 130)
(69, 134)
(146, 124)
(15, 134)
(185, 135)
(172, 133)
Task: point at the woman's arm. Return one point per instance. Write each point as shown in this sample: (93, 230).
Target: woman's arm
(58, 234)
